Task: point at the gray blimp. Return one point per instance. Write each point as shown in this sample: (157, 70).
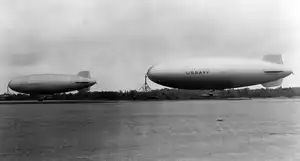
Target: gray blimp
(220, 73)
(49, 84)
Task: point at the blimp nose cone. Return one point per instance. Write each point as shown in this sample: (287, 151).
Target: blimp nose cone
(151, 73)
(156, 74)
(13, 84)
(10, 84)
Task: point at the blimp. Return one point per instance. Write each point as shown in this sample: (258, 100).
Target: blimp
(220, 73)
(49, 84)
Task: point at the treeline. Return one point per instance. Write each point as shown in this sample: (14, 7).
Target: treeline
(167, 94)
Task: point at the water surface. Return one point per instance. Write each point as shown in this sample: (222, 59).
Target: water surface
(262, 129)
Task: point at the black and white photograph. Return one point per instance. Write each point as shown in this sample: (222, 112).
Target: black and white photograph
(149, 80)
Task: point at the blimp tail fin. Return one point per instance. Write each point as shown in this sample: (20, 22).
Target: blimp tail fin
(277, 59)
(273, 83)
(85, 74)
(273, 58)
(84, 90)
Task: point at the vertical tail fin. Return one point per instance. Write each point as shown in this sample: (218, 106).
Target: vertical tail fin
(273, 58)
(277, 59)
(85, 74)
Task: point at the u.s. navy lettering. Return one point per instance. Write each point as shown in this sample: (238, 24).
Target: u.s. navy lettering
(196, 72)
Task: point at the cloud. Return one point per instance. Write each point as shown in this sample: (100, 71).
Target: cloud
(24, 59)
(118, 41)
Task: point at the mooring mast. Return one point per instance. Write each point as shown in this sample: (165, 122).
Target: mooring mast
(145, 87)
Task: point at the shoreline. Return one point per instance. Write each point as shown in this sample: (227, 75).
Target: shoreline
(118, 101)
(55, 101)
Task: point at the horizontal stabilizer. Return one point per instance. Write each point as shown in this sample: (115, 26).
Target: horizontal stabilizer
(273, 58)
(84, 90)
(273, 83)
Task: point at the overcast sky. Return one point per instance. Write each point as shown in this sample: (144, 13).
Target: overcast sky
(118, 40)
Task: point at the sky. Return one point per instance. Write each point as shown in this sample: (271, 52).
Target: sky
(118, 40)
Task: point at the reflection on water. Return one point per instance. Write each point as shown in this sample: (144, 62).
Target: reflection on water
(162, 131)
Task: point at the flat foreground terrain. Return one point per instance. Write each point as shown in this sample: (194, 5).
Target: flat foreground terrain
(259, 129)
